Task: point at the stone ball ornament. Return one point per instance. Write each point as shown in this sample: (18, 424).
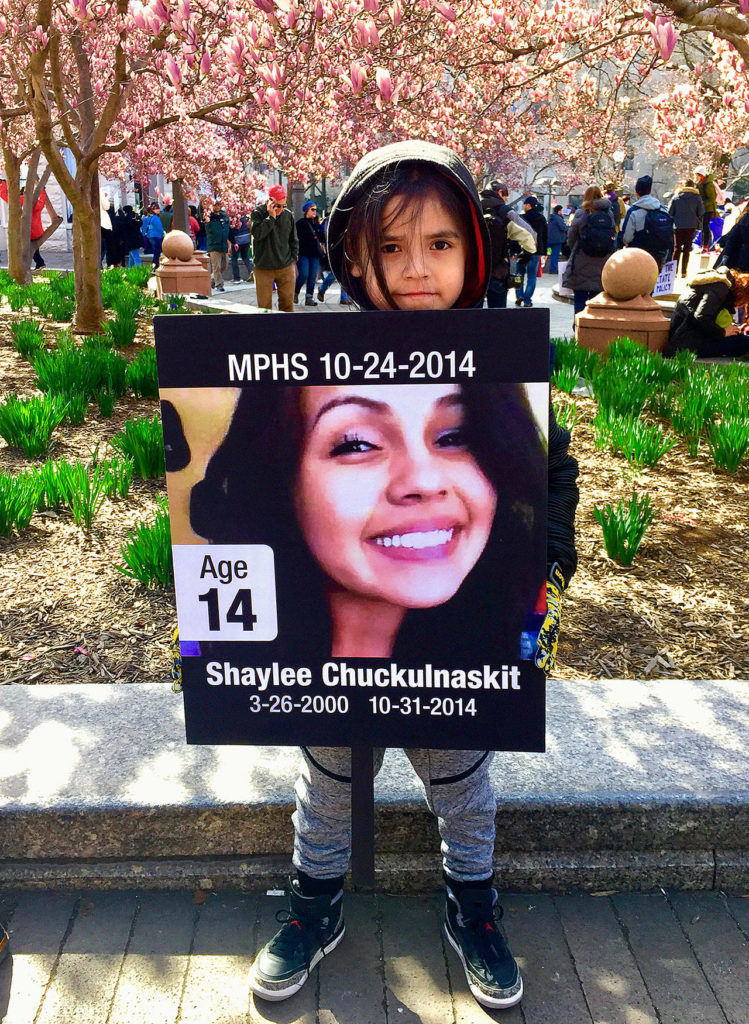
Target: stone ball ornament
(629, 273)
(177, 245)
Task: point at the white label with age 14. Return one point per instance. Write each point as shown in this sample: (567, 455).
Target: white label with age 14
(225, 591)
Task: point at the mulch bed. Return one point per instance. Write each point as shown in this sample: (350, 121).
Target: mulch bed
(679, 611)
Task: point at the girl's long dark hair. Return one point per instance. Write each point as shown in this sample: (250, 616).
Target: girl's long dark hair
(247, 497)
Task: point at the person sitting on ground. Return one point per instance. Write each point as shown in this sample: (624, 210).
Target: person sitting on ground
(686, 208)
(702, 320)
(648, 224)
(592, 239)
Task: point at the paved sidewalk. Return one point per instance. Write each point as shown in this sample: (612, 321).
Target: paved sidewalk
(156, 958)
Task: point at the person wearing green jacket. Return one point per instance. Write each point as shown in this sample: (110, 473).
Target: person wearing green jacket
(217, 243)
(706, 186)
(276, 247)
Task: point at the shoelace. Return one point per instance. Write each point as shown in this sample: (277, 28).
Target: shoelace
(293, 934)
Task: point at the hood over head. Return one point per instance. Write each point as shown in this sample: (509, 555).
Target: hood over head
(716, 275)
(648, 203)
(369, 178)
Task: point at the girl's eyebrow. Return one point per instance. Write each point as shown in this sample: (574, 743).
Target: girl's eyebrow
(388, 236)
(334, 403)
(373, 406)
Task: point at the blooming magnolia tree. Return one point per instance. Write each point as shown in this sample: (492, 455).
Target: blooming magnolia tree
(201, 90)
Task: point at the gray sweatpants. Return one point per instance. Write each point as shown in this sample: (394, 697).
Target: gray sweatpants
(458, 792)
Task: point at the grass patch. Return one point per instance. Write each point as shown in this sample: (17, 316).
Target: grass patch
(148, 552)
(142, 441)
(141, 376)
(28, 338)
(28, 423)
(18, 501)
(624, 527)
(728, 442)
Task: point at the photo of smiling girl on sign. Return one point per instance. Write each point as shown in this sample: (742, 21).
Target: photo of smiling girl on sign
(405, 519)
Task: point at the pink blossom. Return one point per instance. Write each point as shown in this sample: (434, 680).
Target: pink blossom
(358, 78)
(266, 6)
(205, 63)
(744, 6)
(384, 84)
(665, 36)
(447, 12)
(172, 70)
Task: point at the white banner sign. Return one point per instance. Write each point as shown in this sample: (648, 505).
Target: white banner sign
(666, 282)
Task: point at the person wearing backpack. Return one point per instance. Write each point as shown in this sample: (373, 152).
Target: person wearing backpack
(648, 224)
(504, 226)
(592, 239)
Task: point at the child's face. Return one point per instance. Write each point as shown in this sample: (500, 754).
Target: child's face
(423, 258)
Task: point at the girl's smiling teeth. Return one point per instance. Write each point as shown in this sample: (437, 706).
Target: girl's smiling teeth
(419, 539)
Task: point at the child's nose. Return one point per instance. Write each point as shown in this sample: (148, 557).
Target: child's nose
(416, 263)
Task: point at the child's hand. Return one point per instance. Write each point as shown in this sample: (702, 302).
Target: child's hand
(548, 635)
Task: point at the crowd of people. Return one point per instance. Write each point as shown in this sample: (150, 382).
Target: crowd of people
(290, 256)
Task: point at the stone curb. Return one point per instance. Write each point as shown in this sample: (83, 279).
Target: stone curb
(643, 784)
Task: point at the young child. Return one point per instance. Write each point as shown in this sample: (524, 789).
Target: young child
(407, 233)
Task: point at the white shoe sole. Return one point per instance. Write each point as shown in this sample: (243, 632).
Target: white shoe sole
(275, 995)
(478, 995)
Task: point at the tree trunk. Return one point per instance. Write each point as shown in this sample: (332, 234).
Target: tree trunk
(180, 221)
(19, 255)
(20, 246)
(89, 309)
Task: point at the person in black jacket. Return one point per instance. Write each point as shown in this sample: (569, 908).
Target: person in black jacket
(311, 249)
(406, 233)
(132, 235)
(687, 210)
(702, 320)
(529, 270)
(735, 245)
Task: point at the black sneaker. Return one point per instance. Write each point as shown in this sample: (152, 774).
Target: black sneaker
(310, 301)
(518, 302)
(472, 928)
(312, 927)
(4, 943)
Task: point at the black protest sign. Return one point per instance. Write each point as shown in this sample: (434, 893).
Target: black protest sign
(358, 512)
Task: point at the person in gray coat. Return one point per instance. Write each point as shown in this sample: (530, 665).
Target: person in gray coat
(583, 271)
(687, 209)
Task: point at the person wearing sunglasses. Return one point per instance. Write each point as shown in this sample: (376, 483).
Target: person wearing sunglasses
(311, 250)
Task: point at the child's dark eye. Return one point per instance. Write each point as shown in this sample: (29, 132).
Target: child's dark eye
(390, 247)
(441, 244)
(454, 438)
(353, 445)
